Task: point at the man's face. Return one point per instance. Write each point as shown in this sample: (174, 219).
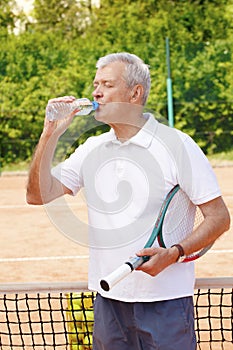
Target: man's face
(111, 92)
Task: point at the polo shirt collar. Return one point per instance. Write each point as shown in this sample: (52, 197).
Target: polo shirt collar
(144, 137)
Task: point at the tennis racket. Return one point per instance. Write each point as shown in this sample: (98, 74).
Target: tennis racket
(177, 219)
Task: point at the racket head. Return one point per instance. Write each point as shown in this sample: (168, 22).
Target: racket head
(181, 218)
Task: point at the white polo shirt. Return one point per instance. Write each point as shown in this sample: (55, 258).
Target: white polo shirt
(125, 184)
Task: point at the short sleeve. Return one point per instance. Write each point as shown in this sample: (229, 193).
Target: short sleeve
(69, 172)
(195, 174)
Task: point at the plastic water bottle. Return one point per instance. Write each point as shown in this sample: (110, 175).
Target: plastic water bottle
(61, 110)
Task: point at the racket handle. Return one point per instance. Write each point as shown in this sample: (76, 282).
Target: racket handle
(124, 270)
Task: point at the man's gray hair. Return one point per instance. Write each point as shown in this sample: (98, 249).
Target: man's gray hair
(137, 72)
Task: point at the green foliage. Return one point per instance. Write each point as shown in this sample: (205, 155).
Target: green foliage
(69, 16)
(7, 16)
(56, 54)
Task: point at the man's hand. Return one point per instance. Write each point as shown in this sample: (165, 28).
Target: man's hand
(58, 127)
(160, 258)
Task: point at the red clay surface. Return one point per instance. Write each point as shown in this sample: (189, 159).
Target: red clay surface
(33, 250)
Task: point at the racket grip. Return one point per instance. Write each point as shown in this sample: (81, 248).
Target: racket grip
(124, 270)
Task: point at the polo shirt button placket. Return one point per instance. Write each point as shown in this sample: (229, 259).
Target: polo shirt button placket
(120, 169)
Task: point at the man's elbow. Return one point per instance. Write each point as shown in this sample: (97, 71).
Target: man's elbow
(34, 197)
(227, 221)
(33, 200)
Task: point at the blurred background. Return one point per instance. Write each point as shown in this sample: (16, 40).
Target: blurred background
(49, 48)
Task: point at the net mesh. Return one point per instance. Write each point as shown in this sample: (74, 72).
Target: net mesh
(46, 321)
(64, 320)
(214, 317)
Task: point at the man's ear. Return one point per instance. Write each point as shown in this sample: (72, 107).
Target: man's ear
(136, 94)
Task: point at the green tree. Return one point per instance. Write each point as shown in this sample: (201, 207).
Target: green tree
(8, 17)
(56, 56)
(201, 60)
(69, 16)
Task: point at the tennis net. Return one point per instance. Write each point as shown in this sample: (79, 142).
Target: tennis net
(60, 315)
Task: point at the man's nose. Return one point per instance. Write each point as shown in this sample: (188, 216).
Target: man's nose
(97, 92)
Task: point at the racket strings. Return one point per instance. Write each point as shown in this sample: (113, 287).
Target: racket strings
(181, 218)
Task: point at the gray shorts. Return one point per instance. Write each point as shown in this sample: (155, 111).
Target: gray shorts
(161, 325)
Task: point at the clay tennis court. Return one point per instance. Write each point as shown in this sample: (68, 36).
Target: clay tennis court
(33, 250)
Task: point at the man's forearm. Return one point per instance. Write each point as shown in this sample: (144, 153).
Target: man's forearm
(42, 187)
(216, 222)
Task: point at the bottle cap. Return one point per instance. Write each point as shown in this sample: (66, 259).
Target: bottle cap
(95, 105)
